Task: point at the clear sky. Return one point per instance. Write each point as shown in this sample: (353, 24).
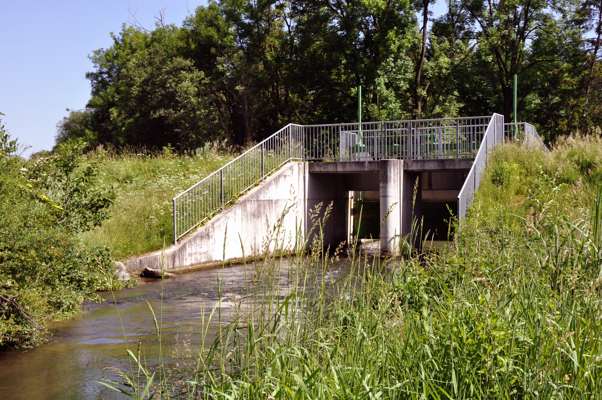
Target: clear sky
(44, 49)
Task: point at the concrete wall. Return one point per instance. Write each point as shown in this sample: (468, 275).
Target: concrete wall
(269, 217)
(277, 214)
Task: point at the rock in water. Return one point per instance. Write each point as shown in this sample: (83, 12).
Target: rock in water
(154, 273)
(121, 272)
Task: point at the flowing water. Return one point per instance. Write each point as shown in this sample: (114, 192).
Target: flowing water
(90, 347)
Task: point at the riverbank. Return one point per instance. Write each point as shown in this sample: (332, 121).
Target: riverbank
(512, 309)
(46, 272)
(140, 218)
(92, 346)
(67, 215)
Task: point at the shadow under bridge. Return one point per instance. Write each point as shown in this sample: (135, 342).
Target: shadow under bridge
(412, 195)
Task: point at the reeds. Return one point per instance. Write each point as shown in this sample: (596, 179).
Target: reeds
(512, 310)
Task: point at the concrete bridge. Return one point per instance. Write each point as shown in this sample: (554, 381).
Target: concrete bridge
(300, 183)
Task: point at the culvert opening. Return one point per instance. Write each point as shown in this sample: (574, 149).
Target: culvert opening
(437, 218)
(364, 219)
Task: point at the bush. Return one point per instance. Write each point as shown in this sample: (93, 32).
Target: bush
(46, 272)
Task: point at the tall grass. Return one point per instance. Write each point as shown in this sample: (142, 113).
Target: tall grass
(140, 218)
(512, 310)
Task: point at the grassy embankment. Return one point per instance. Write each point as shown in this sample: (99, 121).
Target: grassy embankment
(512, 310)
(140, 218)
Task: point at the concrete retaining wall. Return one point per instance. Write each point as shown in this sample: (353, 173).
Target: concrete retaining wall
(279, 214)
(267, 218)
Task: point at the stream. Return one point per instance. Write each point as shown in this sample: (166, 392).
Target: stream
(91, 346)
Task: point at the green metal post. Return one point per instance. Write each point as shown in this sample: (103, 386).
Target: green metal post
(514, 106)
(359, 115)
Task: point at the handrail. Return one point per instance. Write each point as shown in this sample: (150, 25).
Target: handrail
(524, 133)
(471, 172)
(232, 161)
(441, 138)
(494, 135)
(398, 121)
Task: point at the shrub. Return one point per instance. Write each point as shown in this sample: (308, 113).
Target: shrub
(46, 272)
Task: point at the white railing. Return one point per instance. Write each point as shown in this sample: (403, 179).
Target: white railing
(417, 139)
(525, 133)
(494, 135)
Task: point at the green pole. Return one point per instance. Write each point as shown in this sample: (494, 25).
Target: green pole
(359, 115)
(514, 100)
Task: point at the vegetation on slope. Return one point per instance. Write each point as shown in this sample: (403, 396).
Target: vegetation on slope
(140, 218)
(512, 310)
(46, 272)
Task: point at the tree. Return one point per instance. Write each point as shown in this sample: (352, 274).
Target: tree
(145, 94)
(589, 17)
(503, 29)
(423, 5)
(241, 69)
(77, 125)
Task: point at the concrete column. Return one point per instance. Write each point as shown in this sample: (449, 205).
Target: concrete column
(350, 221)
(391, 181)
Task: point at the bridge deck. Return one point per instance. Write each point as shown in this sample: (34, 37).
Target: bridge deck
(350, 167)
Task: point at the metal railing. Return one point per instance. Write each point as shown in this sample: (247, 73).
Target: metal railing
(214, 192)
(494, 135)
(417, 139)
(524, 133)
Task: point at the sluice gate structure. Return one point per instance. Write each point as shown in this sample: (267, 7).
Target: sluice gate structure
(274, 195)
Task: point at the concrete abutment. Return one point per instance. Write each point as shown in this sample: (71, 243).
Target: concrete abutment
(287, 211)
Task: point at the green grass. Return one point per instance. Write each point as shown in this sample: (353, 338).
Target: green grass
(513, 309)
(140, 218)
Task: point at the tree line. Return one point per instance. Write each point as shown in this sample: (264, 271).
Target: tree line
(237, 70)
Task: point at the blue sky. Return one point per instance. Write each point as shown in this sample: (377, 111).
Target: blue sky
(44, 49)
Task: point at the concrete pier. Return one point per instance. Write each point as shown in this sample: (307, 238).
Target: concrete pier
(391, 184)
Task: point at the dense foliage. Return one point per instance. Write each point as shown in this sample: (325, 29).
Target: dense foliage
(240, 69)
(45, 270)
